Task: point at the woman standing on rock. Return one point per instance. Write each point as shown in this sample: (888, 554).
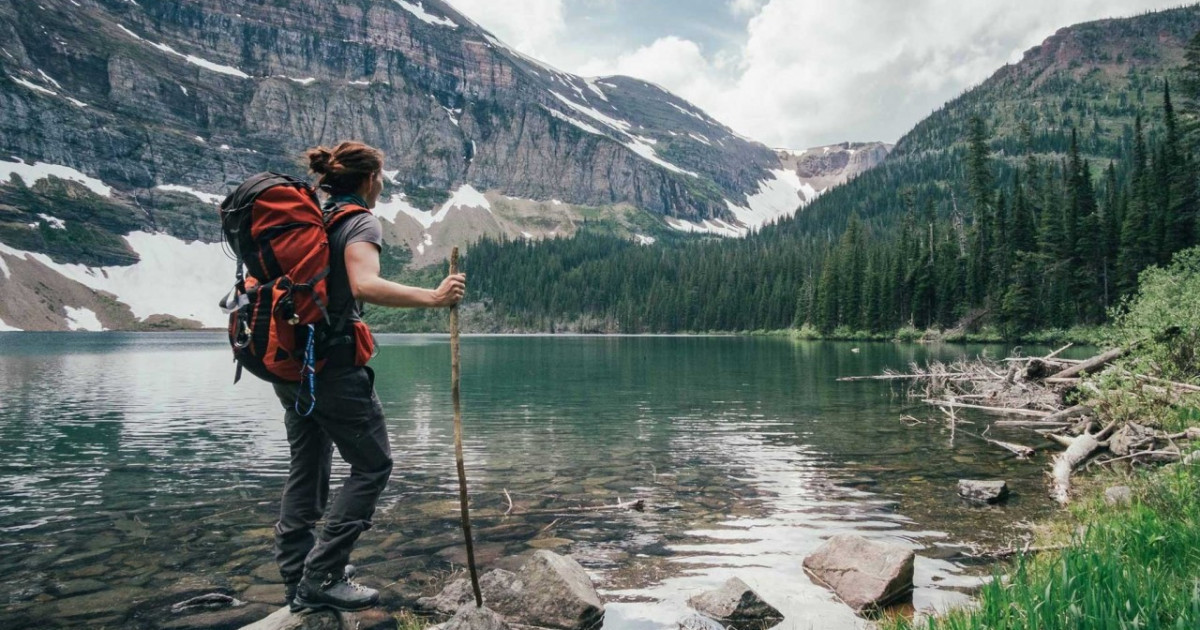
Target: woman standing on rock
(347, 413)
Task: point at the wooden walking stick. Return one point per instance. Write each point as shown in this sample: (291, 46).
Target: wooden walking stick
(458, 448)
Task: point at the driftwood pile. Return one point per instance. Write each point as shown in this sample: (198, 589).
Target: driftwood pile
(1035, 390)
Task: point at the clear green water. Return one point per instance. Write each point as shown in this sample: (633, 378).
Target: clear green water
(133, 464)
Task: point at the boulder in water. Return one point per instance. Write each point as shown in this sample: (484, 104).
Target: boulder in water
(864, 574)
(977, 491)
(735, 602)
(548, 591)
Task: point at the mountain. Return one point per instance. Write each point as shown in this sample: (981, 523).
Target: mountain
(1030, 201)
(1095, 77)
(126, 122)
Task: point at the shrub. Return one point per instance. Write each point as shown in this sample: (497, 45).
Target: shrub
(1163, 317)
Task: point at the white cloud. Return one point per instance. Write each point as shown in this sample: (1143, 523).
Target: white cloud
(674, 63)
(534, 27)
(810, 73)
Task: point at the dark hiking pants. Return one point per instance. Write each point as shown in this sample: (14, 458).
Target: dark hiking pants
(347, 415)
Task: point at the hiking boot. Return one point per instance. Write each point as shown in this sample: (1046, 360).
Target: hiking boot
(336, 592)
(289, 589)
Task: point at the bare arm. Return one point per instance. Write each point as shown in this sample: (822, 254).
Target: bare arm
(362, 268)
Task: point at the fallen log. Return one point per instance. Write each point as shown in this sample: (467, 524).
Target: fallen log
(637, 506)
(1056, 352)
(1001, 554)
(1005, 410)
(1172, 384)
(1068, 413)
(1045, 422)
(1020, 450)
(1159, 456)
(1078, 450)
(1092, 364)
(897, 377)
(1192, 433)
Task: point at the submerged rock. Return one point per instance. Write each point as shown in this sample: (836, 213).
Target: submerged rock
(228, 618)
(208, 601)
(979, 491)
(864, 574)
(699, 622)
(93, 605)
(548, 591)
(78, 587)
(735, 602)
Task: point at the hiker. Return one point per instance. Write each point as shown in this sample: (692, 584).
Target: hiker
(346, 413)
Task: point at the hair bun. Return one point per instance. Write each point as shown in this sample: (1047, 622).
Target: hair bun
(345, 167)
(320, 160)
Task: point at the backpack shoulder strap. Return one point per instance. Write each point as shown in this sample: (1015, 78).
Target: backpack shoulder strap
(339, 209)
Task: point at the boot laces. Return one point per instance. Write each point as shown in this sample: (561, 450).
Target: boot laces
(349, 582)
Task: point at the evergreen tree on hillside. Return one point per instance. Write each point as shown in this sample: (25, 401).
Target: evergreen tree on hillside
(1137, 249)
(980, 188)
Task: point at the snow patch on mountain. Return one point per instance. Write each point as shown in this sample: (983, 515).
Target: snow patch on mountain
(33, 86)
(707, 226)
(55, 223)
(595, 114)
(418, 10)
(83, 319)
(578, 123)
(465, 197)
(49, 78)
(778, 197)
(202, 196)
(201, 62)
(6, 328)
(592, 85)
(394, 206)
(646, 151)
(192, 59)
(32, 173)
(637, 144)
(688, 112)
(171, 277)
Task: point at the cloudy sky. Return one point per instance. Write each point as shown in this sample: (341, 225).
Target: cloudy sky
(794, 73)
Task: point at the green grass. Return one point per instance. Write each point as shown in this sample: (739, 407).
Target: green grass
(1135, 567)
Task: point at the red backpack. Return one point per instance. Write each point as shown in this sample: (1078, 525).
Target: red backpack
(278, 322)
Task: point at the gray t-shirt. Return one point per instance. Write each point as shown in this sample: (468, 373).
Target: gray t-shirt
(360, 228)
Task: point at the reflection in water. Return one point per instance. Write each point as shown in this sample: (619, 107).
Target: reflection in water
(133, 458)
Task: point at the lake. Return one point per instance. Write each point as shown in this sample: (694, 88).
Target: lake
(136, 474)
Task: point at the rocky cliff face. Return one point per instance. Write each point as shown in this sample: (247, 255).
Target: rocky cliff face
(127, 118)
(822, 168)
